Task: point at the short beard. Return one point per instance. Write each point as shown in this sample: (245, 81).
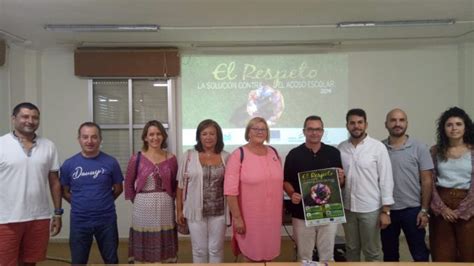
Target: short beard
(397, 135)
(357, 137)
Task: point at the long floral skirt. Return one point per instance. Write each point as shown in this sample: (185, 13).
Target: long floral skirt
(153, 235)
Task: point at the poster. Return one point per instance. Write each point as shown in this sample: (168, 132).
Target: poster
(321, 197)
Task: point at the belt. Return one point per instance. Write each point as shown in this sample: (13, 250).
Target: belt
(455, 192)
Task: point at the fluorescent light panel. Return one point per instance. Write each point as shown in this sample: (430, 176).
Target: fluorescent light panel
(101, 27)
(160, 85)
(396, 23)
(265, 44)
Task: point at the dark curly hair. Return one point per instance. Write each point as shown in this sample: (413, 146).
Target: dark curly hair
(442, 142)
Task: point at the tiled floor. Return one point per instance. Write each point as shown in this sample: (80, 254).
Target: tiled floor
(58, 252)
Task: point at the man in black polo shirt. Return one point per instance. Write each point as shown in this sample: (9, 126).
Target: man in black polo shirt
(311, 155)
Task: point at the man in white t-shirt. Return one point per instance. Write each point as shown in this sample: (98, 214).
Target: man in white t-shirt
(28, 163)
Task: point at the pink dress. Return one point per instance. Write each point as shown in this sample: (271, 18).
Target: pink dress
(258, 183)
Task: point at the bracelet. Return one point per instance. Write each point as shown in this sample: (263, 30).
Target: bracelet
(58, 211)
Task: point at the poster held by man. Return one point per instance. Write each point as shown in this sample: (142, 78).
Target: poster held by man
(322, 201)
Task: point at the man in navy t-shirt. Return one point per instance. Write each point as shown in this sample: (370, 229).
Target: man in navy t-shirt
(91, 182)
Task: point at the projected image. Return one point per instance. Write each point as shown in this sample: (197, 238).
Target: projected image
(266, 102)
(284, 89)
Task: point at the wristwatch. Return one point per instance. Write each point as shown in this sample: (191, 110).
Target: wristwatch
(58, 211)
(386, 212)
(425, 212)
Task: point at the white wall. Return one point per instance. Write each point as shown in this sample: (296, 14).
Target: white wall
(19, 82)
(422, 80)
(4, 99)
(466, 77)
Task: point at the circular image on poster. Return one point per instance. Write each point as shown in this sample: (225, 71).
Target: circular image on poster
(320, 193)
(266, 102)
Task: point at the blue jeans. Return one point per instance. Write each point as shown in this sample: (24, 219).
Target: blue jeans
(404, 219)
(80, 242)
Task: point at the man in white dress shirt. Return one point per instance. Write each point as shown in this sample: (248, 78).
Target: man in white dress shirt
(367, 194)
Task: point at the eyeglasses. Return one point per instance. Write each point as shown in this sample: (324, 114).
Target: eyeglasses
(259, 130)
(314, 130)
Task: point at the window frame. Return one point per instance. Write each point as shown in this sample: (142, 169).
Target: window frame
(171, 127)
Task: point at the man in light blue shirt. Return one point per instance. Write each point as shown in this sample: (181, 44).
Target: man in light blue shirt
(412, 166)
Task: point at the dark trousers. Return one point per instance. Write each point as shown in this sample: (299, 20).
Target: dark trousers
(405, 220)
(80, 242)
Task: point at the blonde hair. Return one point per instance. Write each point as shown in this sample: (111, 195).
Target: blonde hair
(254, 121)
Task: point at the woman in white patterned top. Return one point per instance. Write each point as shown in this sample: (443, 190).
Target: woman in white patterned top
(200, 197)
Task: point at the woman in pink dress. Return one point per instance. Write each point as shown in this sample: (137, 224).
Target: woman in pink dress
(253, 185)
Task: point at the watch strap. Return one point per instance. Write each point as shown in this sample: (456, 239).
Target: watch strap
(58, 211)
